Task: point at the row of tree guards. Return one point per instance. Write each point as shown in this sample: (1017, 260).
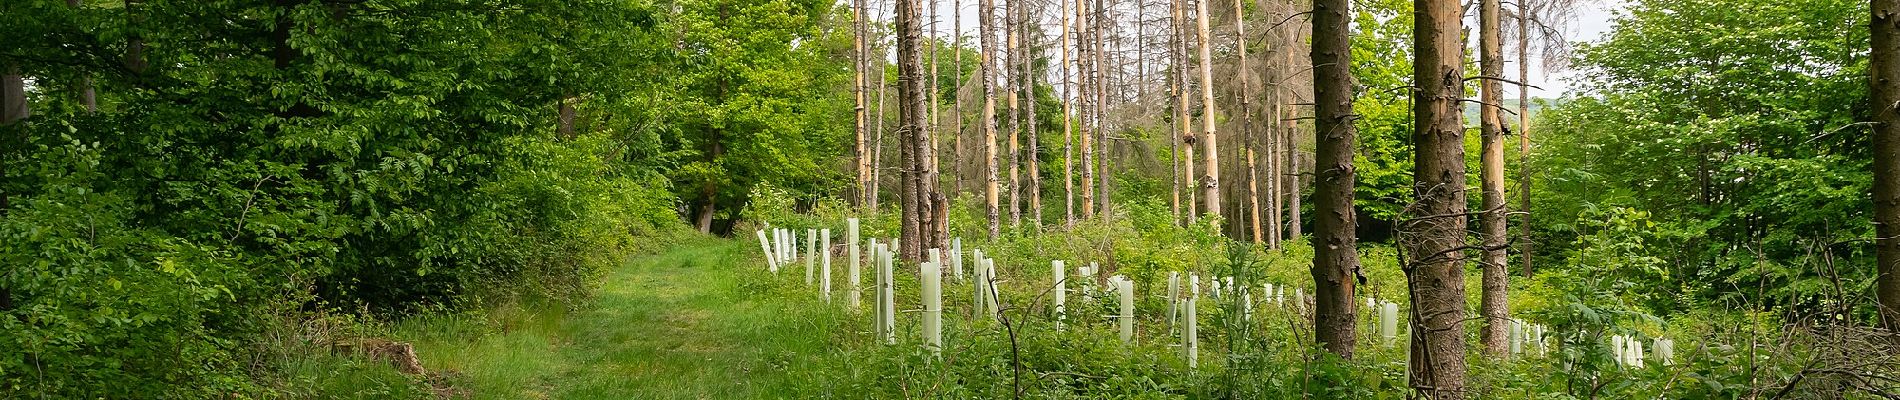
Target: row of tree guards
(780, 246)
(1101, 85)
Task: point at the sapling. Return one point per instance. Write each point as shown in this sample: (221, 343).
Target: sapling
(956, 257)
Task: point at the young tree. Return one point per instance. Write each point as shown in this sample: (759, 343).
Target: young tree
(1434, 236)
(1210, 180)
(1335, 244)
(1885, 67)
(986, 23)
(1494, 303)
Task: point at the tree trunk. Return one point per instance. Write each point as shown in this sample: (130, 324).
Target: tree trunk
(1178, 79)
(1335, 243)
(1102, 81)
(919, 177)
(862, 158)
(1246, 126)
(1885, 67)
(1294, 228)
(1029, 42)
(1086, 77)
(1524, 136)
(564, 117)
(986, 21)
(1210, 181)
(1494, 302)
(1068, 123)
(1435, 236)
(957, 160)
(1012, 52)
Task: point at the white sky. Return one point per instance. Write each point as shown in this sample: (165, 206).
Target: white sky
(1591, 22)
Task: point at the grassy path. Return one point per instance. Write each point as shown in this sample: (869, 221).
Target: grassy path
(691, 323)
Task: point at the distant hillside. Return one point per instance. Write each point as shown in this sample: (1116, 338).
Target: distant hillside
(1538, 104)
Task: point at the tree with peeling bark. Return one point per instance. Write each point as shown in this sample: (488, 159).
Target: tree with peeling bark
(1885, 70)
(862, 159)
(1335, 244)
(1085, 78)
(1246, 126)
(1210, 178)
(1433, 235)
(986, 24)
(918, 193)
(1494, 301)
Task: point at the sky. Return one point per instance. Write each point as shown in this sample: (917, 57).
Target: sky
(1592, 22)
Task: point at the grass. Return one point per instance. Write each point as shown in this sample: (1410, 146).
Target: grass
(692, 323)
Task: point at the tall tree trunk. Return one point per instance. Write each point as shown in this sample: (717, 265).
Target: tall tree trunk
(1178, 79)
(919, 177)
(13, 108)
(1294, 224)
(957, 161)
(1885, 67)
(1246, 123)
(1210, 180)
(1068, 128)
(1335, 243)
(1434, 237)
(862, 157)
(1012, 65)
(1103, 69)
(1524, 136)
(1494, 302)
(877, 134)
(933, 45)
(986, 24)
(1085, 69)
(1030, 40)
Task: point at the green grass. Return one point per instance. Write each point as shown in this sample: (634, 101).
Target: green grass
(695, 322)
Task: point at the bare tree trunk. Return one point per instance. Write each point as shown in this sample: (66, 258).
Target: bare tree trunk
(877, 142)
(919, 177)
(1086, 77)
(1246, 123)
(1524, 136)
(1294, 228)
(956, 164)
(1210, 181)
(1434, 238)
(935, 105)
(1030, 41)
(1335, 244)
(1885, 67)
(1177, 84)
(1068, 128)
(1103, 79)
(863, 158)
(1012, 66)
(1494, 302)
(986, 22)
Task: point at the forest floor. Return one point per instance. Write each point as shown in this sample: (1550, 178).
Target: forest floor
(680, 324)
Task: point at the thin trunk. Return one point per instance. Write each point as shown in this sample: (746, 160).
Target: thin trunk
(1292, 172)
(1178, 80)
(1246, 123)
(1524, 136)
(1496, 270)
(1035, 142)
(956, 163)
(1085, 76)
(1885, 67)
(1068, 128)
(1335, 244)
(877, 139)
(1012, 52)
(933, 45)
(986, 22)
(564, 117)
(13, 108)
(135, 40)
(1102, 81)
(1435, 237)
(863, 159)
(1210, 181)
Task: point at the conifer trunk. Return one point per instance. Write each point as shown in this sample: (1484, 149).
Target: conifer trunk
(1493, 303)
(1885, 67)
(1210, 180)
(1335, 244)
(986, 23)
(1434, 235)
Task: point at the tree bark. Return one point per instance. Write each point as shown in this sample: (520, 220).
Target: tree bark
(1035, 138)
(1494, 301)
(1012, 65)
(1210, 180)
(1068, 128)
(1178, 78)
(1294, 221)
(957, 160)
(1246, 123)
(1885, 67)
(862, 157)
(1335, 243)
(1085, 98)
(1524, 136)
(986, 22)
(1434, 238)
(919, 176)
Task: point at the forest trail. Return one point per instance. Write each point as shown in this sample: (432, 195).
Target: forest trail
(682, 324)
